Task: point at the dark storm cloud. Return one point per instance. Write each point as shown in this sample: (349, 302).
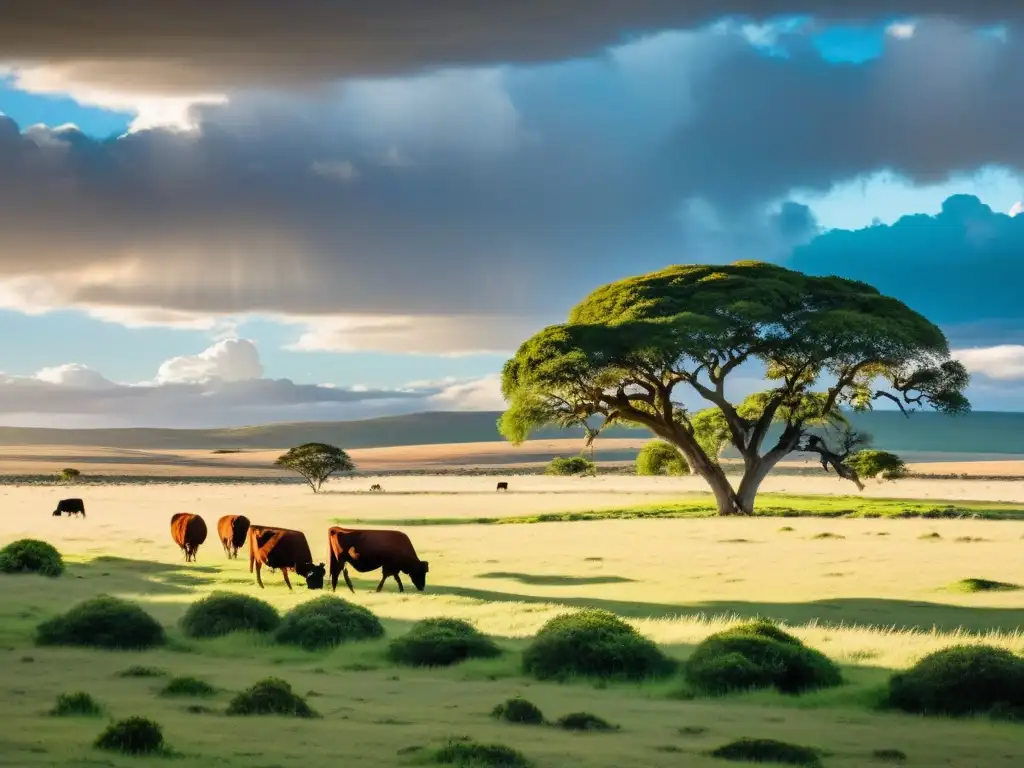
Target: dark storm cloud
(200, 44)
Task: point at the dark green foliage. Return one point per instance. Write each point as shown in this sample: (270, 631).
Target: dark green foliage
(31, 556)
(660, 458)
(593, 643)
(472, 754)
(79, 704)
(758, 655)
(440, 643)
(133, 736)
(962, 680)
(889, 756)
(221, 613)
(315, 462)
(187, 686)
(768, 751)
(869, 463)
(326, 622)
(272, 696)
(518, 710)
(141, 671)
(584, 721)
(983, 585)
(103, 622)
(68, 475)
(566, 466)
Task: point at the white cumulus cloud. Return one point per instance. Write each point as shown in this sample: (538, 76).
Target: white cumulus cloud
(227, 360)
(1004, 362)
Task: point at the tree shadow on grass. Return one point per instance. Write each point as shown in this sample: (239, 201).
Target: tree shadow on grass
(117, 575)
(877, 612)
(553, 580)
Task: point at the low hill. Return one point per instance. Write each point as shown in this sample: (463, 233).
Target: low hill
(981, 432)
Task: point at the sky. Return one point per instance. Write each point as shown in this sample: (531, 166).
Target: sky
(246, 212)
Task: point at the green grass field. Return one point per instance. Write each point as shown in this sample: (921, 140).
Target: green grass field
(873, 593)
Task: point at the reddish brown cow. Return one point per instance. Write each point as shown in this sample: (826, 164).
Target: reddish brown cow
(285, 550)
(232, 530)
(368, 550)
(188, 532)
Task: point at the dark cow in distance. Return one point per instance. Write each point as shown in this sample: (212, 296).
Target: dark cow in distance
(188, 532)
(502, 486)
(232, 531)
(375, 488)
(367, 550)
(70, 507)
(285, 550)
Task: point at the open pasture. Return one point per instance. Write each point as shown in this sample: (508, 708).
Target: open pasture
(873, 594)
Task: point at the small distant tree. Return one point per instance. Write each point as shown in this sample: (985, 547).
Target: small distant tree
(660, 458)
(68, 475)
(315, 462)
(870, 463)
(566, 466)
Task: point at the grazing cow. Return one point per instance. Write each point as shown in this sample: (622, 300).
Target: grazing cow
(188, 532)
(502, 486)
(232, 530)
(285, 550)
(376, 488)
(70, 507)
(368, 550)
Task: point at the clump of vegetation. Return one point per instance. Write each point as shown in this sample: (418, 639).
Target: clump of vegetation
(786, 529)
(78, 704)
(272, 696)
(187, 686)
(473, 754)
(768, 751)
(872, 463)
(103, 622)
(68, 475)
(315, 462)
(660, 458)
(141, 671)
(221, 613)
(889, 756)
(758, 654)
(584, 721)
(31, 556)
(441, 643)
(566, 466)
(326, 622)
(133, 736)
(982, 585)
(930, 536)
(827, 535)
(593, 643)
(518, 710)
(962, 680)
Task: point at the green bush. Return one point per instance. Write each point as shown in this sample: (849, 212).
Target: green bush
(133, 736)
(593, 643)
(79, 704)
(518, 710)
(441, 643)
(584, 721)
(768, 751)
(660, 458)
(187, 686)
(272, 696)
(962, 680)
(138, 670)
(870, 463)
(221, 613)
(68, 475)
(103, 622)
(31, 556)
(758, 655)
(564, 466)
(472, 754)
(983, 585)
(326, 622)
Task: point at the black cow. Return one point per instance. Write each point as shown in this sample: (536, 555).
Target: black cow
(70, 507)
(502, 486)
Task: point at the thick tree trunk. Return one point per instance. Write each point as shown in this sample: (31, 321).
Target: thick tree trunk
(726, 499)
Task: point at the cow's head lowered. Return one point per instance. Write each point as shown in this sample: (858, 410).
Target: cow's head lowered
(418, 574)
(315, 576)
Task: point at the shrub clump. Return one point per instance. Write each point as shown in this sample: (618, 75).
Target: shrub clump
(566, 466)
(962, 680)
(103, 622)
(982, 585)
(593, 643)
(872, 463)
(660, 458)
(768, 751)
(758, 655)
(133, 736)
(78, 704)
(326, 622)
(187, 686)
(141, 671)
(584, 721)
(221, 613)
(272, 696)
(472, 754)
(441, 643)
(31, 556)
(518, 710)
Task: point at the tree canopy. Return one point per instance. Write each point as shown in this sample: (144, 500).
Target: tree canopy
(315, 462)
(632, 348)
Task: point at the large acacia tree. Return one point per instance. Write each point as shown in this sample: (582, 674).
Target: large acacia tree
(632, 348)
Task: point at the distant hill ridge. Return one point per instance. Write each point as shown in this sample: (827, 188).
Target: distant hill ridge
(980, 432)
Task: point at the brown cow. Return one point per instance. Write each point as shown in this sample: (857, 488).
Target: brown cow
(188, 532)
(232, 530)
(368, 550)
(285, 550)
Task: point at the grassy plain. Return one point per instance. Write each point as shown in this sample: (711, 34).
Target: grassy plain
(875, 594)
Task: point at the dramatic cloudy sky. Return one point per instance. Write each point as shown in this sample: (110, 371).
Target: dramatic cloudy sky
(245, 211)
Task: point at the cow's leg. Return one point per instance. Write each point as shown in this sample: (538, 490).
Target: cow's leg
(259, 567)
(348, 581)
(399, 580)
(382, 580)
(284, 572)
(335, 573)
